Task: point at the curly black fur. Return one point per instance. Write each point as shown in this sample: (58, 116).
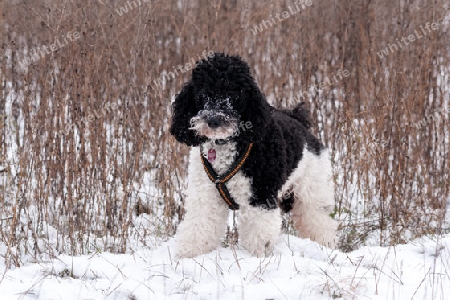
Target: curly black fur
(278, 135)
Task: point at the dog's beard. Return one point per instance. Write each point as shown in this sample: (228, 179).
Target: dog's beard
(200, 125)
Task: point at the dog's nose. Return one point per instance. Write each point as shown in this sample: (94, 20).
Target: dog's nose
(214, 122)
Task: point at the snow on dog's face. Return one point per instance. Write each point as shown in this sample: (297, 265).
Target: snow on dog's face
(216, 118)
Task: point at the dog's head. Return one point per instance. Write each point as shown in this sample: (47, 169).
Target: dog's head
(221, 102)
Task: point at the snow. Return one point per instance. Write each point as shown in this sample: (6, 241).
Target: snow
(298, 269)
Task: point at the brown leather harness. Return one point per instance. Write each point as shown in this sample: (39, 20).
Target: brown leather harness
(221, 180)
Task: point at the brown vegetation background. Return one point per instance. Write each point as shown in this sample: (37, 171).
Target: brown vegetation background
(91, 189)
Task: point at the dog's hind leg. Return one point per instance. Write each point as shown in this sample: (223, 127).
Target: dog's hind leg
(204, 223)
(313, 189)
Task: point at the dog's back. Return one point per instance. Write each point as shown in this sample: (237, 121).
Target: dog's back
(299, 113)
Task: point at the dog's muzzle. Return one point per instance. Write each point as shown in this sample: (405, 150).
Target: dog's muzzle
(214, 124)
(215, 121)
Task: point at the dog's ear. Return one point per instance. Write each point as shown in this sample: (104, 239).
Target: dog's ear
(258, 112)
(183, 109)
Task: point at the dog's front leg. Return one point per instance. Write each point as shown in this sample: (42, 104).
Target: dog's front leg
(259, 227)
(206, 213)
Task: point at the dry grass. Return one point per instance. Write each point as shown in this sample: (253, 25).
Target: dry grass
(85, 189)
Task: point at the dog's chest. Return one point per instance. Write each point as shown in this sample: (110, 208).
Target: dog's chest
(221, 161)
(221, 157)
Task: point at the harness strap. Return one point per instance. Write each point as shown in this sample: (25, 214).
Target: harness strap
(221, 180)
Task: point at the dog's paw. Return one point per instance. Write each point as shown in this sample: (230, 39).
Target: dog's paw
(259, 249)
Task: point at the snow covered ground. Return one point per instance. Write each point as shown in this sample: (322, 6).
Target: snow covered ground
(299, 269)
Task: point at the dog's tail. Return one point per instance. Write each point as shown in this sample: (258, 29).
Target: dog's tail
(301, 114)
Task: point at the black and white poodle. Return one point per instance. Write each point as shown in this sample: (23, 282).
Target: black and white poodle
(249, 157)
